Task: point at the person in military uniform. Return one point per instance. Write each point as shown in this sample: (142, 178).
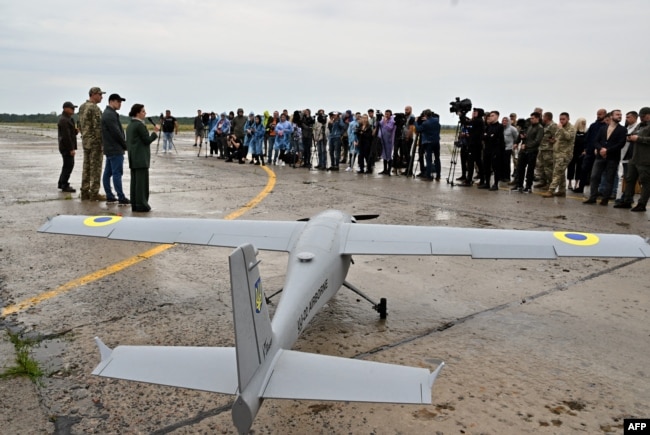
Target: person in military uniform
(138, 143)
(545, 156)
(90, 120)
(562, 155)
(67, 145)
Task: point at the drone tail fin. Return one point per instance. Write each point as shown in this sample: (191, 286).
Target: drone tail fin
(253, 332)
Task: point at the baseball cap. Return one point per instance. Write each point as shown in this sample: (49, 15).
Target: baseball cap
(95, 90)
(644, 111)
(115, 97)
(69, 105)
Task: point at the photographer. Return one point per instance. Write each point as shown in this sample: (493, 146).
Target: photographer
(307, 126)
(234, 149)
(528, 154)
(476, 129)
(428, 126)
(336, 128)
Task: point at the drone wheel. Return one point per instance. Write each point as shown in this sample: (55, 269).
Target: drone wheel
(382, 308)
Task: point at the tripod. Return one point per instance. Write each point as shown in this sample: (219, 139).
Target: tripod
(204, 139)
(455, 153)
(162, 133)
(413, 164)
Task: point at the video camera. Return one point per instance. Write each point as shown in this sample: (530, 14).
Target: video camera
(400, 120)
(460, 106)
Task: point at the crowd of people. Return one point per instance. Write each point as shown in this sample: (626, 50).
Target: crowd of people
(493, 149)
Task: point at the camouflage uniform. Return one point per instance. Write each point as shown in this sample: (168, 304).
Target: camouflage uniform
(562, 155)
(545, 156)
(90, 119)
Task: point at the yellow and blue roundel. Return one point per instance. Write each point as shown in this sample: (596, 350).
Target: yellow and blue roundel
(101, 221)
(578, 239)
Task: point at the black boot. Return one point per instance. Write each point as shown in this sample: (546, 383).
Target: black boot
(390, 164)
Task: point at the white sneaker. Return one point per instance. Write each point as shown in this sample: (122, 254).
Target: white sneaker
(348, 169)
(282, 164)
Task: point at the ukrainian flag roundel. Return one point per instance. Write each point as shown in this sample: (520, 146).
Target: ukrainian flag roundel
(101, 221)
(577, 239)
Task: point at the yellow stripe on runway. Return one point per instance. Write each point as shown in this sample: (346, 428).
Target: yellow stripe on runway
(33, 301)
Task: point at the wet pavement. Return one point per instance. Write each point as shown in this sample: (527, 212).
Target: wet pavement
(553, 346)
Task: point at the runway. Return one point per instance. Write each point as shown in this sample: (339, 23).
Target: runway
(555, 346)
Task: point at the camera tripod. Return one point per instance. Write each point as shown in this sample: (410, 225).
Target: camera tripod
(207, 143)
(455, 153)
(413, 164)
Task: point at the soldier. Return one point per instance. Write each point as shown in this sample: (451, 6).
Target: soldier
(545, 156)
(90, 120)
(562, 155)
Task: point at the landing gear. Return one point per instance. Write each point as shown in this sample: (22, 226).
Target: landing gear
(381, 307)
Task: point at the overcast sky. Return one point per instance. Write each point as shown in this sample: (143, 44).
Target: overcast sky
(508, 55)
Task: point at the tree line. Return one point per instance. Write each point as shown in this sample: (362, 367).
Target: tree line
(53, 118)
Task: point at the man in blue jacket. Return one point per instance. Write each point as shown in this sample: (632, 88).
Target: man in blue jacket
(428, 125)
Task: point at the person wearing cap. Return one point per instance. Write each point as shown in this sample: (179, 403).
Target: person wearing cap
(114, 148)
(67, 145)
(237, 125)
(638, 167)
(90, 121)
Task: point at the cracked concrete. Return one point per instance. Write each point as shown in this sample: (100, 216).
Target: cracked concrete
(531, 346)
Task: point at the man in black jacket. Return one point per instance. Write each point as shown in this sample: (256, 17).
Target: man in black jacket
(67, 145)
(114, 147)
(609, 142)
(476, 128)
(494, 147)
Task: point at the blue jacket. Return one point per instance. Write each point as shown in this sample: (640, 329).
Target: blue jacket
(429, 130)
(337, 128)
(248, 137)
(283, 135)
(258, 134)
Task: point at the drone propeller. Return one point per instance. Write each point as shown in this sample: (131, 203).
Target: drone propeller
(365, 217)
(357, 217)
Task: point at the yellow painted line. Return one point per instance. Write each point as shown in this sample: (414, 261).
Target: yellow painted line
(117, 267)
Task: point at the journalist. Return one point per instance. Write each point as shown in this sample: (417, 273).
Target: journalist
(428, 126)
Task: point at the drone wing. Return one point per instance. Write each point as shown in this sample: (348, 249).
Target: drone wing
(488, 243)
(264, 235)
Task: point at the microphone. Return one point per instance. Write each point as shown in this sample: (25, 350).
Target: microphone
(151, 121)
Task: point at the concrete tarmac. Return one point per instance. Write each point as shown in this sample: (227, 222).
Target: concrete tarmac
(557, 346)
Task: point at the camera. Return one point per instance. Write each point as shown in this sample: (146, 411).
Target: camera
(460, 106)
(400, 120)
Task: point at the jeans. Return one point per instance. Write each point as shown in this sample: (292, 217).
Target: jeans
(270, 147)
(113, 169)
(321, 146)
(432, 150)
(335, 151)
(608, 168)
(168, 143)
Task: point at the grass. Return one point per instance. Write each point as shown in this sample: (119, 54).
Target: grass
(25, 366)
